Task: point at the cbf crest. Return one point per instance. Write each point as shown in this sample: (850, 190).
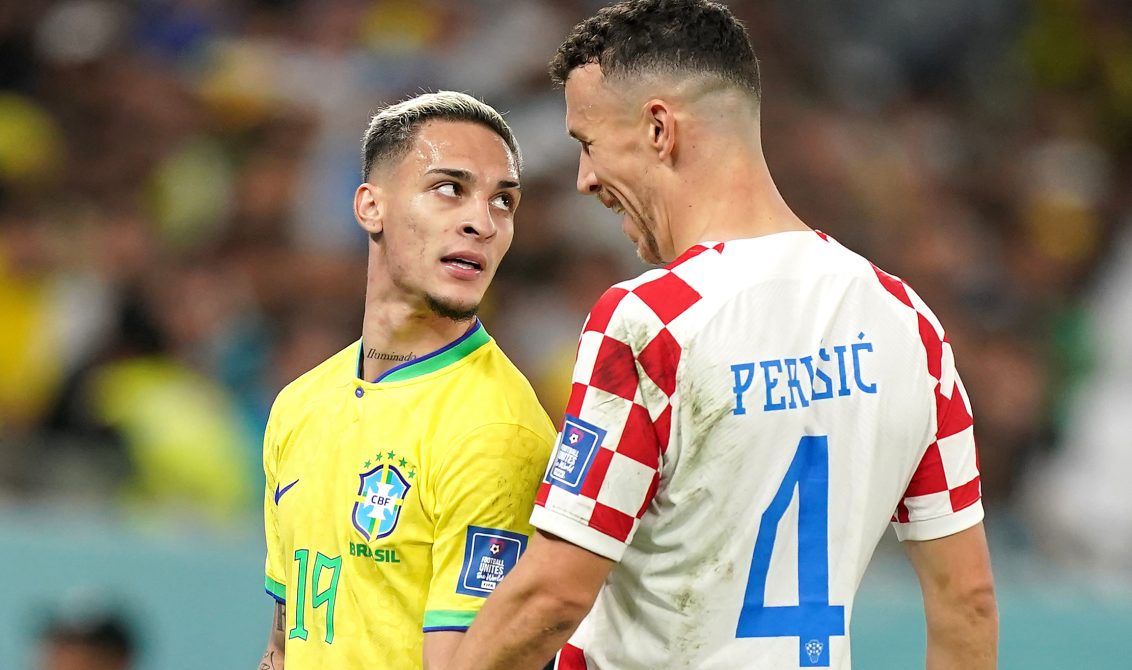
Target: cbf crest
(381, 494)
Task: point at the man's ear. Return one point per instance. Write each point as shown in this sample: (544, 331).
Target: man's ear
(369, 208)
(662, 128)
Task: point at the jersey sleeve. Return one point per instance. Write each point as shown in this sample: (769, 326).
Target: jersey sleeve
(605, 468)
(484, 493)
(275, 577)
(944, 495)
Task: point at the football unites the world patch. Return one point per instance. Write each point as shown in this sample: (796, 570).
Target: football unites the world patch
(574, 454)
(489, 554)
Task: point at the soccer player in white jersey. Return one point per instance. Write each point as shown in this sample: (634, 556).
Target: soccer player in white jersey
(746, 420)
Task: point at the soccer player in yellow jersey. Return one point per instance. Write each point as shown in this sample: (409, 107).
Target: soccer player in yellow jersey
(401, 472)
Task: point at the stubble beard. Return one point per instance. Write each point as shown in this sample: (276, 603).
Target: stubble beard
(647, 248)
(450, 311)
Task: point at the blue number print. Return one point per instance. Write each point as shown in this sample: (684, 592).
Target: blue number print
(813, 620)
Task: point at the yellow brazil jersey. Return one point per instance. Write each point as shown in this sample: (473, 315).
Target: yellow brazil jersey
(394, 507)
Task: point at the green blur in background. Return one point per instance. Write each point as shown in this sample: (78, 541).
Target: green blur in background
(177, 244)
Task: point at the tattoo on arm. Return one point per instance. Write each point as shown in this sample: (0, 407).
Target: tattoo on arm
(268, 661)
(280, 616)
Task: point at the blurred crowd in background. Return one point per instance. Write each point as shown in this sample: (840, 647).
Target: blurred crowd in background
(177, 241)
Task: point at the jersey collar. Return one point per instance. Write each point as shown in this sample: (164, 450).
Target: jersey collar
(450, 353)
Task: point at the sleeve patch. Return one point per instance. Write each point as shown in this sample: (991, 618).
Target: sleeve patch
(574, 454)
(489, 554)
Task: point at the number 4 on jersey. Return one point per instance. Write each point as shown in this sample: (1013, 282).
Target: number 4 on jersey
(813, 620)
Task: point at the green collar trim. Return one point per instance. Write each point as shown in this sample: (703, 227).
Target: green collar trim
(450, 353)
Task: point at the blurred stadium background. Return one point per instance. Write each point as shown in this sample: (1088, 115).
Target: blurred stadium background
(176, 244)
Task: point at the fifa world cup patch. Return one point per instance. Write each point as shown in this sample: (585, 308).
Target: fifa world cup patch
(574, 454)
(489, 554)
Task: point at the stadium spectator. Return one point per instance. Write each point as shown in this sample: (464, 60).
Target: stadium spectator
(87, 640)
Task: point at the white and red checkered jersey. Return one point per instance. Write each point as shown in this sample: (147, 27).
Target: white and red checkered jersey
(743, 426)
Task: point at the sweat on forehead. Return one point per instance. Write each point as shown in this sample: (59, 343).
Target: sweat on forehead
(392, 130)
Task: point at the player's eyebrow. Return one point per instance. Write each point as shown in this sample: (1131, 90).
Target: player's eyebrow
(469, 178)
(462, 175)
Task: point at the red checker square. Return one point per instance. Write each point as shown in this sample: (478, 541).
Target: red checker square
(893, 285)
(692, 252)
(952, 416)
(667, 296)
(933, 345)
(595, 477)
(901, 515)
(660, 359)
(577, 397)
(638, 438)
(613, 523)
(571, 658)
(603, 309)
(615, 371)
(543, 492)
(663, 427)
(965, 495)
(649, 495)
(929, 476)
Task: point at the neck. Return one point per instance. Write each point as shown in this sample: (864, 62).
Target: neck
(728, 194)
(394, 332)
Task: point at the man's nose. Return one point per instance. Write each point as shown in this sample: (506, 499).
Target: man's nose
(480, 222)
(587, 180)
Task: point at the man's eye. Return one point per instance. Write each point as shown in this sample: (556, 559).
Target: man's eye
(448, 189)
(503, 201)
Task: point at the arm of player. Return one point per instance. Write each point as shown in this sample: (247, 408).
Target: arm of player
(276, 640)
(959, 601)
(535, 609)
(439, 646)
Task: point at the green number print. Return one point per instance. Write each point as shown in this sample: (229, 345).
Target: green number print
(326, 597)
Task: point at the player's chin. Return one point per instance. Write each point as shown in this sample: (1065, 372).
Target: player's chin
(456, 308)
(648, 252)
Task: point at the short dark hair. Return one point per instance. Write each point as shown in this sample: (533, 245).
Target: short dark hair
(105, 632)
(635, 37)
(392, 130)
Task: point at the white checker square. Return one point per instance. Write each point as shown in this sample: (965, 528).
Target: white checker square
(957, 453)
(606, 411)
(626, 484)
(928, 506)
(565, 503)
(947, 370)
(645, 323)
(588, 346)
(922, 308)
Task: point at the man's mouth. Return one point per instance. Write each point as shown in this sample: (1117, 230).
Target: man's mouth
(462, 261)
(612, 203)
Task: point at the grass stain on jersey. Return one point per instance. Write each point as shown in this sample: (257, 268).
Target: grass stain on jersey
(704, 418)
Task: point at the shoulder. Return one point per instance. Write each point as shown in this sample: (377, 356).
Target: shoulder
(654, 298)
(905, 307)
(332, 372)
(502, 395)
(846, 261)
